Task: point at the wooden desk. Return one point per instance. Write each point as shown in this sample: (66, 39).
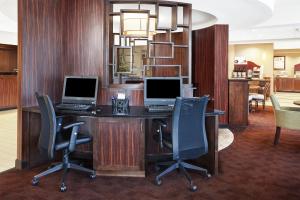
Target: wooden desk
(119, 145)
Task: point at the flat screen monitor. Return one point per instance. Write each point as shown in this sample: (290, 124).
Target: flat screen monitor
(162, 90)
(80, 89)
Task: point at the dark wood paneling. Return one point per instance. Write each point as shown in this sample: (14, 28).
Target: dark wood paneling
(181, 55)
(116, 150)
(297, 85)
(8, 57)
(30, 151)
(287, 84)
(221, 71)
(84, 37)
(56, 38)
(238, 102)
(59, 38)
(8, 91)
(210, 66)
(41, 49)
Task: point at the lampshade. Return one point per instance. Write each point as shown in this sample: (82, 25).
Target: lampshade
(135, 23)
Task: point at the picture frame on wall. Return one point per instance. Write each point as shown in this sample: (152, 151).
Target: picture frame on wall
(279, 62)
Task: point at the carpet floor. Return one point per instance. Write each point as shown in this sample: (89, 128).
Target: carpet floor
(251, 168)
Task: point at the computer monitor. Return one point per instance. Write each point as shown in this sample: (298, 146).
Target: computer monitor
(162, 90)
(80, 89)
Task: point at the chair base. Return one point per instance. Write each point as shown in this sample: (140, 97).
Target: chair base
(182, 166)
(65, 166)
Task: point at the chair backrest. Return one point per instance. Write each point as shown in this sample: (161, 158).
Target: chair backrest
(188, 128)
(48, 125)
(275, 102)
(266, 89)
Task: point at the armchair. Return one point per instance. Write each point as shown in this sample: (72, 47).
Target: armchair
(285, 117)
(55, 136)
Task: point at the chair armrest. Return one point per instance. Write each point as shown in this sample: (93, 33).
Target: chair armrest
(71, 125)
(75, 127)
(59, 122)
(160, 122)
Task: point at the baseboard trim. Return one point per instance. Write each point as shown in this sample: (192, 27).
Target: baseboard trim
(21, 164)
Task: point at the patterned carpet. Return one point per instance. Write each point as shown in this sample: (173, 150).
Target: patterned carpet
(250, 168)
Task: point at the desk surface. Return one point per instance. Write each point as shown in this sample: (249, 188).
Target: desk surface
(106, 111)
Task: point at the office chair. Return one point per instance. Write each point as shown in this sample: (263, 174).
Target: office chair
(188, 138)
(55, 137)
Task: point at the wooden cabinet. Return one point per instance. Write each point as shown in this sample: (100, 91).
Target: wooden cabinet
(8, 57)
(8, 91)
(238, 102)
(285, 84)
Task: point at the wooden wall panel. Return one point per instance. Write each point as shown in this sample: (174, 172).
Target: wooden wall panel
(210, 66)
(41, 49)
(56, 38)
(84, 37)
(8, 91)
(181, 55)
(59, 38)
(221, 71)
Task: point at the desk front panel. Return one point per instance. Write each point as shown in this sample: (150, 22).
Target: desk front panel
(119, 146)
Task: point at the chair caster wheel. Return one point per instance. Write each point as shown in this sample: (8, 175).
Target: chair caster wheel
(93, 175)
(63, 187)
(193, 188)
(208, 175)
(35, 181)
(158, 182)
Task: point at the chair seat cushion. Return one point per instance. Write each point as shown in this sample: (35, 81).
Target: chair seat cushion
(63, 140)
(258, 97)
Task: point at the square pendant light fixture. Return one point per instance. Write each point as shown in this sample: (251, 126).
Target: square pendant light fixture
(135, 23)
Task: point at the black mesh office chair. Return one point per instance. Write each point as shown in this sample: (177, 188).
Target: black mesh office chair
(55, 137)
(188, 138)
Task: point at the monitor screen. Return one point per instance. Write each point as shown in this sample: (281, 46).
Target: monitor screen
(161, 90)
(80, 89)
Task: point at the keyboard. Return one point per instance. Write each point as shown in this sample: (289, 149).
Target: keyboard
(160, 108)
(70, 106)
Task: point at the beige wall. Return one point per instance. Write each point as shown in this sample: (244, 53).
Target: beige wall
(261, 54)
(230, 60)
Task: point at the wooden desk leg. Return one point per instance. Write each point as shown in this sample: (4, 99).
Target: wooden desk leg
(212, 127)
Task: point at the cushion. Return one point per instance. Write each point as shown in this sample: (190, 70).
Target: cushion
(258, 97)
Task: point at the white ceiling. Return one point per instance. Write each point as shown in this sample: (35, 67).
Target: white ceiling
(250, 21)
